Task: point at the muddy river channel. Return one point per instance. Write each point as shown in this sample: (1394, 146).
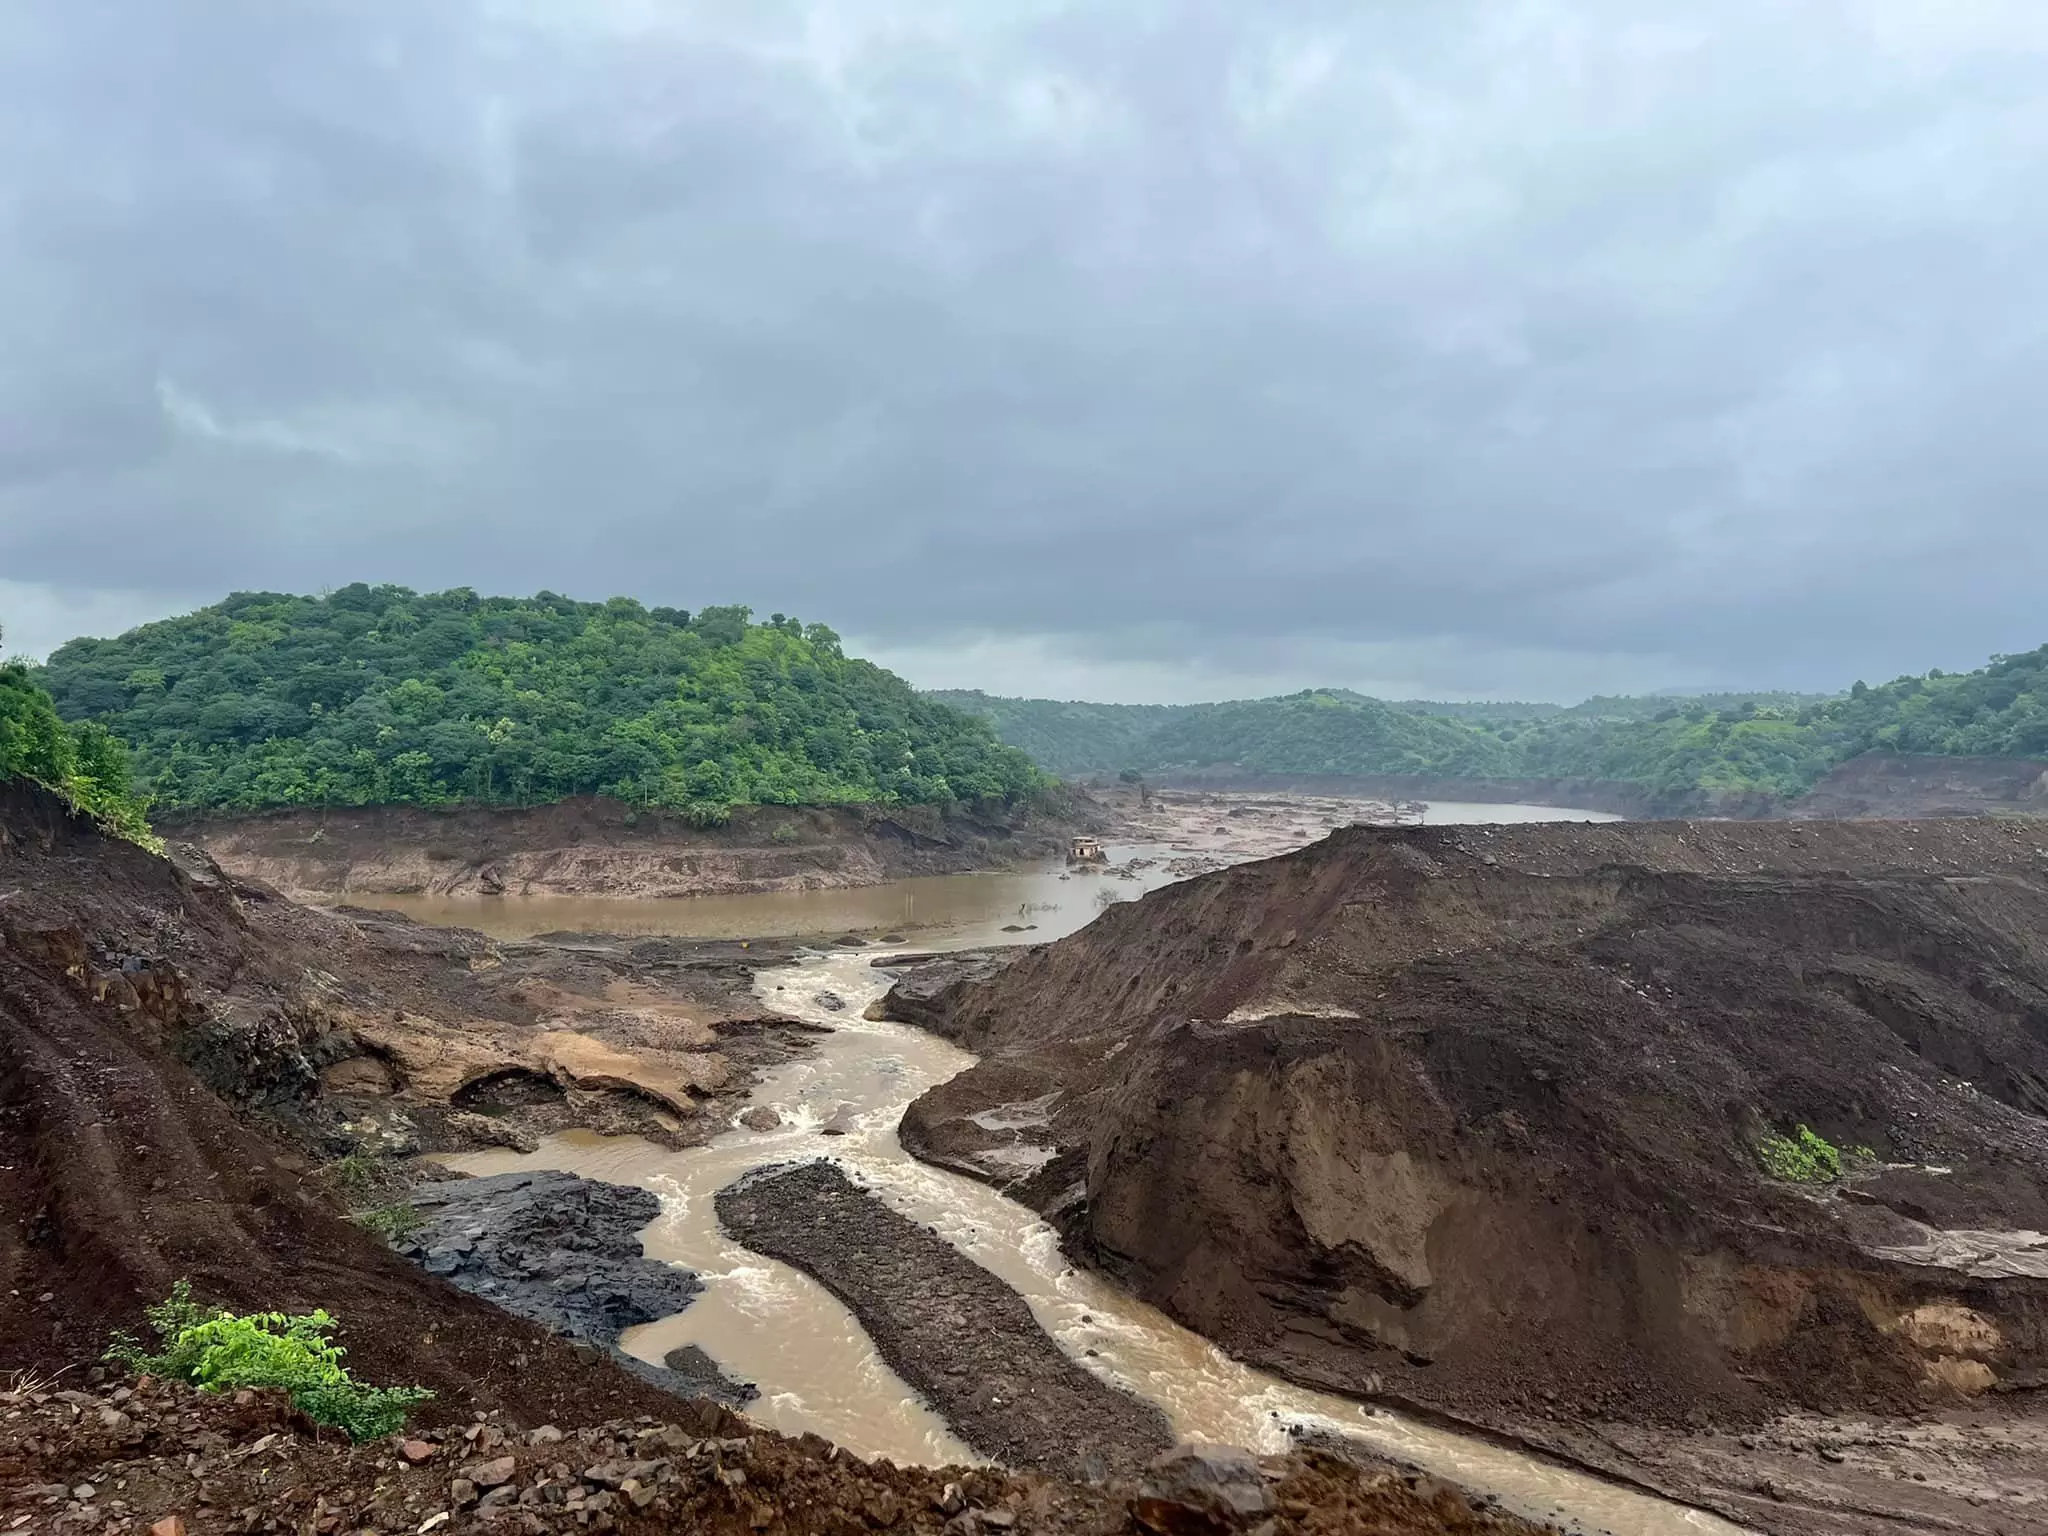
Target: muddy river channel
(814, 1365)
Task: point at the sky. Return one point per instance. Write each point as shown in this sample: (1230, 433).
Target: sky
(1121, 349)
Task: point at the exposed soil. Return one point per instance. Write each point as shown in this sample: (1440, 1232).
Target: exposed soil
(1469, 1117)
(1906, 784)
(1611, 795)
(1879, 784)
(163, 1036)
(565, 1252)
(947, 1326)
(129, 1459)
(147, 1019)
(596, 847)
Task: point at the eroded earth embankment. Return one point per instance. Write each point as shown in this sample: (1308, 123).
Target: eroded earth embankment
(596, 847)
(1471, 1116)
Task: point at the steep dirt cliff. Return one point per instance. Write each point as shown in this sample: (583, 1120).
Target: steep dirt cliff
(1472, 1116)
(594, 847)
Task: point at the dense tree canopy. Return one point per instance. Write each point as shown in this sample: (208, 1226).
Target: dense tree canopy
(84, 763)
(1688, 751)
(378, 694)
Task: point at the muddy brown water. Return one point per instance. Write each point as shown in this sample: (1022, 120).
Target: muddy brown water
(815, 1367)
(1047, 900)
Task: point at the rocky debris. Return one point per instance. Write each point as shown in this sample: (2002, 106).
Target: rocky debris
(564, 1252)
(923, 978)
(491, 1131)
(761, 1118)
(952, 1330)
(1196, 1490)
(197, 1464)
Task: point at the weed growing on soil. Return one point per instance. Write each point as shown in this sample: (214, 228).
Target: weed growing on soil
(218, 1351)
(394, 1223)
(1803, 1158)
(354, 1174)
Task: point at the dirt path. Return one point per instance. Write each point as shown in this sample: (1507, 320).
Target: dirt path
(947, 1326)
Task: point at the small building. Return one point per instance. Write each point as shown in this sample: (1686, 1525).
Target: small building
(1086, 850)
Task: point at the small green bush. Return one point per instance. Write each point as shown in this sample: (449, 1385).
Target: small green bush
(785, 834)
(218, 1352)
(1803, 1158)
(394, 1222)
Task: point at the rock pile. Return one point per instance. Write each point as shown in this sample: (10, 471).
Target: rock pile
(164, 1459)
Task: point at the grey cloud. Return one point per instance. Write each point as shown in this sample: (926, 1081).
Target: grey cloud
(1610, 342)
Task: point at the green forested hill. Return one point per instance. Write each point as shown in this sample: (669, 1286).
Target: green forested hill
(1690, 752)
(379, 694)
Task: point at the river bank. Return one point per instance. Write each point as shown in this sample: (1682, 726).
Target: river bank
(820, 1370)
(589, 846)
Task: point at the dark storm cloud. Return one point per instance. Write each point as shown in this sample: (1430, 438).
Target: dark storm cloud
(1473, 348)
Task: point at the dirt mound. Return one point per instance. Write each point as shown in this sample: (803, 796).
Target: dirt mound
(134, 1457)
(596, 847)
(1471, 1116)
(947, 1326)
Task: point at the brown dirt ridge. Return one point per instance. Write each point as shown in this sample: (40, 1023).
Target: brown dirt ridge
(1470, 1116)
(947, 1326)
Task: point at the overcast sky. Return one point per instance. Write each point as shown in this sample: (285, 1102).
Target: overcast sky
(1115, 348)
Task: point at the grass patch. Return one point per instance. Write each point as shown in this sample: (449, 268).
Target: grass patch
(218, 1351)
(356, 1174)
(1805, 1157)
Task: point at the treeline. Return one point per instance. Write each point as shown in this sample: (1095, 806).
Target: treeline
(378, 694)
(84, 763)
(1690, 752)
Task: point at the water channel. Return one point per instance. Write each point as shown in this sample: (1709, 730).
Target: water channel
(813, 1363)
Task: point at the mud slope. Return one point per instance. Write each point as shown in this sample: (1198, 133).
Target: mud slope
(125, 1170)
(594, 847)
(1470, 1116)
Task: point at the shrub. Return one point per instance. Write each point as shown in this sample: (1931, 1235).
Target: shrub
(785, 834)
(218, 1352)
(394, 1223)
(1803, 1158)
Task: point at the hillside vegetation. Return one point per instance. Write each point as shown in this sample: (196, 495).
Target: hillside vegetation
(84, 763)
(374, 695)
(1689, 752)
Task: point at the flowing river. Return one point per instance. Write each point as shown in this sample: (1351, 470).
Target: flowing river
(815, 1367)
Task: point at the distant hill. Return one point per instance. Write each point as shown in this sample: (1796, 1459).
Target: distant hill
(1689, 753)
(376, 695)
(1315, 732)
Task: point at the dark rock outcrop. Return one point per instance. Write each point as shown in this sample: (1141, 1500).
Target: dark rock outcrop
(564, 1252)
